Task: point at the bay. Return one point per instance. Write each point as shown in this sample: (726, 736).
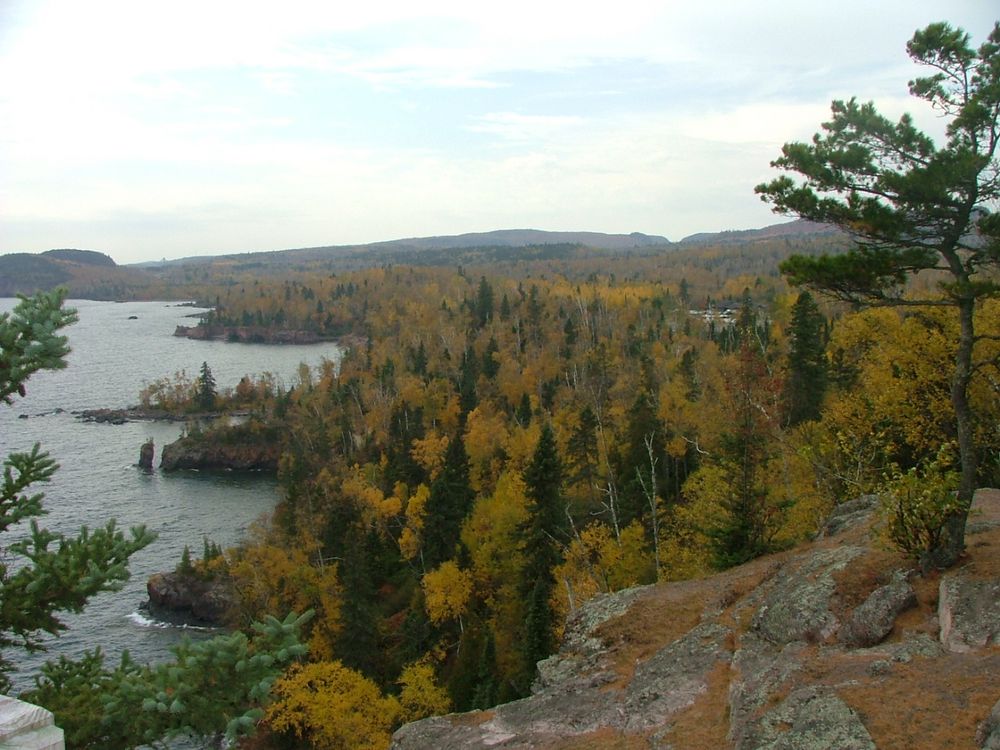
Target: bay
(117, 348)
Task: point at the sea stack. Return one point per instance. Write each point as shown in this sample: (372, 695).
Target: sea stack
(146, 455)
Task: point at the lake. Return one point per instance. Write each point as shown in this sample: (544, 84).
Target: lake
(117, 349)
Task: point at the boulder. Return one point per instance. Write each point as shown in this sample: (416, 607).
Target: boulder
(969, 612)
(848, 515)
(797, 605)
(988, 735)
(811, 718)
(872, 620)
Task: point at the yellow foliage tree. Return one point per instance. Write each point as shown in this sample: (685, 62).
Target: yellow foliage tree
(421, 695)
(271, 577)
(446, 592)
(332, 707)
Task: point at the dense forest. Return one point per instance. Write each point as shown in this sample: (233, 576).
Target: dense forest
(502, 442)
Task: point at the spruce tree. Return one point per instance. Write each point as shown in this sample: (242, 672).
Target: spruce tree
(547, 532)
(206, 388)
(807, 367)
(447, 506)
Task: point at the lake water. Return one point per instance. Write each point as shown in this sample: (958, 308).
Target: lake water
(113, 357)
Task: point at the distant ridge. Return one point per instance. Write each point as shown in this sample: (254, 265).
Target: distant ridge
(797, 228)
(526, 237)
(507, 238)
(83, 257)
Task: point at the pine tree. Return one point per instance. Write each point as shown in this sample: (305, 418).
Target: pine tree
(913, 208)
(483, 311)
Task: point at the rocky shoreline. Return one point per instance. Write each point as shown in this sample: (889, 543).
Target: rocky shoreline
(250, 334)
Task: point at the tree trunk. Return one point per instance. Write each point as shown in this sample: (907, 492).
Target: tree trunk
(952, 542)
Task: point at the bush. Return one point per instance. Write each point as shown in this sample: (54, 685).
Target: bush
(916, 505)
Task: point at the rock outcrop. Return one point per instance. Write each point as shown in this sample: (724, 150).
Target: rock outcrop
(190, 598)
(836, 644)
(199, 453)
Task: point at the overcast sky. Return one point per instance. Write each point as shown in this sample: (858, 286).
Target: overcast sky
(149, 130)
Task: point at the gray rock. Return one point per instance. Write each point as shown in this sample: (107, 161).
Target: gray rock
(761, 670)
(988, 734)
(914, 645)
(580, 660)
(969, 612)
(879, 668)
(811, 718)
(797, 606)
(674, 677)
(443, 732)
(872, 620)
(847, 515)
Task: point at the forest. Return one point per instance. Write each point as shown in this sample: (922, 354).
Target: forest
(503, 442)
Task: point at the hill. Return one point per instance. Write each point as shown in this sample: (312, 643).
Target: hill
(86, 273)
(835, 644)
(800, 228)
(443, 249)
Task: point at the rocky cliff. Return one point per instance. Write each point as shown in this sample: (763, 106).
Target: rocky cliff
(837, 644)
(201, 453)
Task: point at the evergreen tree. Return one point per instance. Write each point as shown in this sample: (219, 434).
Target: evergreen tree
(543, 484)
(582, 450)
(447, 506)
(748, 525)
(485, 695)
(912, 208)
(491, 365)
(807, 367)
(634, 465)
(483, 311)
(206, 388)
(467, 377)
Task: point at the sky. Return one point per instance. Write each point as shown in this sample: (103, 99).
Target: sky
(199, 127)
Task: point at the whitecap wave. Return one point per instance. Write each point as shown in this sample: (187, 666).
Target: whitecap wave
(145, 621)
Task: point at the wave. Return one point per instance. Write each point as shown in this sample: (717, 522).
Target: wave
(145, 621)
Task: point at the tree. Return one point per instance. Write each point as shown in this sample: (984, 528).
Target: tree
(206, 388)
(212, 688)
(332, 707)
(807, 368)
(449, 502)
(45, 574)
(913, 208)
(543, 486)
